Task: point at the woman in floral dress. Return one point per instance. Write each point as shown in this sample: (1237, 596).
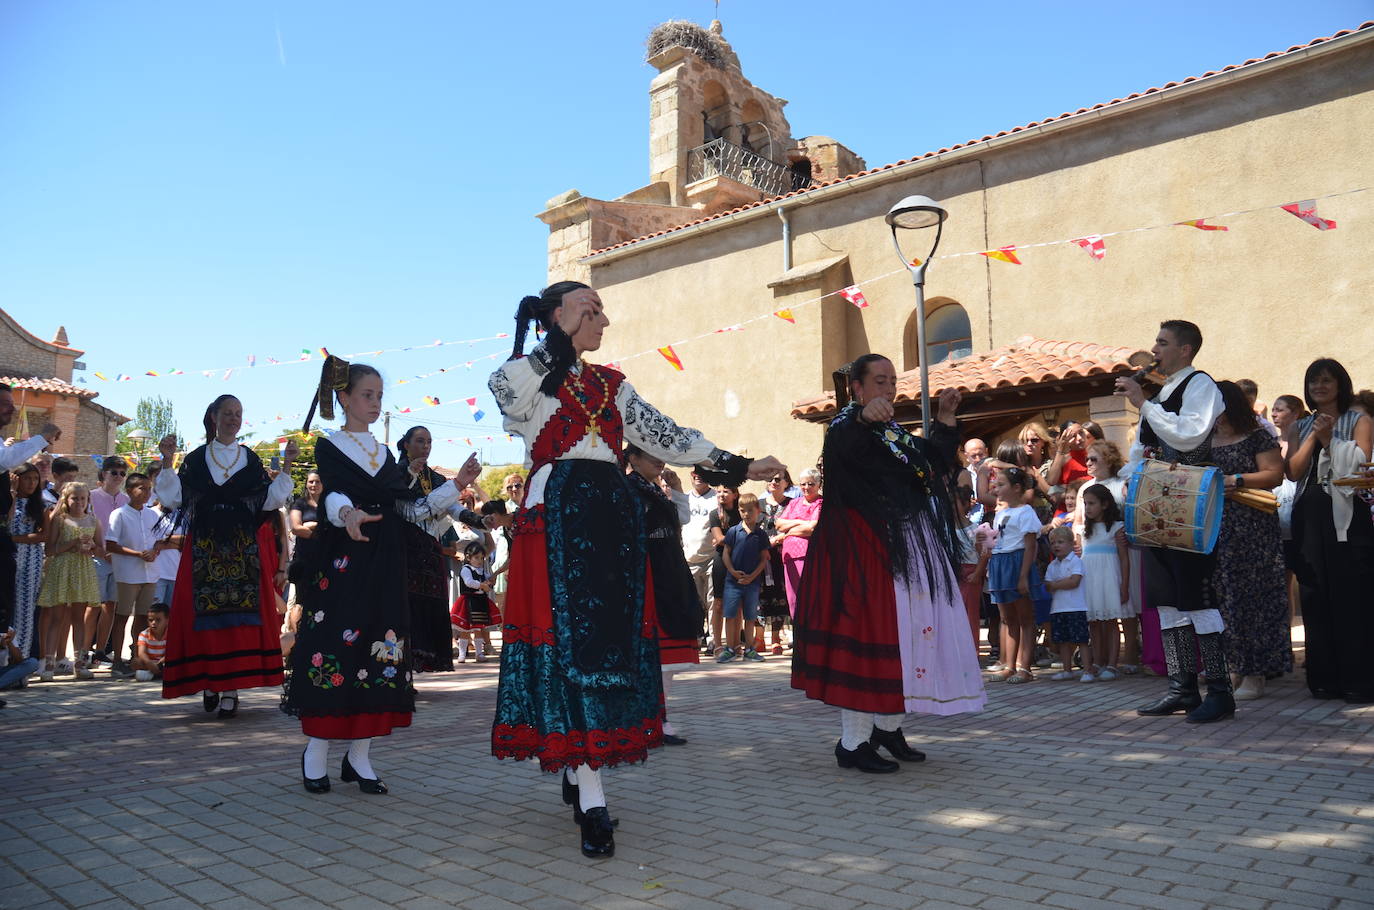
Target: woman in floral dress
(1249, 583)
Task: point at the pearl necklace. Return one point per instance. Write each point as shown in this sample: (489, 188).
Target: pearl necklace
(227, 469)
(371, 456)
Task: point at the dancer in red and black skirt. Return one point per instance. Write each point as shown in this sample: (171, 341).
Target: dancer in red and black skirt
(580, 686)
(222, 635)
(351, 665)
(880, 625)
(679, 607)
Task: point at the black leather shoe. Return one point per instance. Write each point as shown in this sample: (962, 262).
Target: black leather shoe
(895, 743)
(863, 758)
(1182, 698)
(232, 710)
(670, 739)
(1218, 705)
(313, 784)
(1325, 694)
(209, 700)
(570, 797)
(366, 784)
(598, 835)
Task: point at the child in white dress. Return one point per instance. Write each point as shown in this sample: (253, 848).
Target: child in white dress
(1106, 567)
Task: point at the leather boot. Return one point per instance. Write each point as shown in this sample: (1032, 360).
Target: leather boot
(895, 743)
(1219, 703)
(1180, 656)
(598, 837)
(863, 758)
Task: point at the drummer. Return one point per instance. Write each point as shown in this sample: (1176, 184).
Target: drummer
(1176, 426)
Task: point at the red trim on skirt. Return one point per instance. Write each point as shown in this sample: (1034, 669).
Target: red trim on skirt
(529, 618)
(849, 659)
(224, 660)
(355, 726)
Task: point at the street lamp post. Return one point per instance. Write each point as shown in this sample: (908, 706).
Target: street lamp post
(918, 213)
(139, 437)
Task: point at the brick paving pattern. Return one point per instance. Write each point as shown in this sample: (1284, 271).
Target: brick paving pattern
(1056, 796)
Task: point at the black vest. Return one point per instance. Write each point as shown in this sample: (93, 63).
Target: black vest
(1173, 404)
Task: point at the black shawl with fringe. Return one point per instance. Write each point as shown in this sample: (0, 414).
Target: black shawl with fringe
(898, 484)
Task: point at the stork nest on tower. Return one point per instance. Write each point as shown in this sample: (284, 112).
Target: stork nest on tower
(681, 33)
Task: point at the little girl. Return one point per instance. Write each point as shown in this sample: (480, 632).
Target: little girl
(474, 611)
(69, 585)
(1013, 578)
(1106, 564)
(1069, 614)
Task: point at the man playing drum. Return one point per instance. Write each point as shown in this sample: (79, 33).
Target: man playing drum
(1176, 426)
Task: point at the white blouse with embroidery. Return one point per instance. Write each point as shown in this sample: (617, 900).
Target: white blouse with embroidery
(224, 461)
(526, 410)
(363, 449)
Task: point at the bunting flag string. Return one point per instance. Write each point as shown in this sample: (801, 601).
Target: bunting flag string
(477, 413)
(1094, 244)
(1004, 254)
(1202, 225)
(306, 355)
(855, 296)
(1307, 211)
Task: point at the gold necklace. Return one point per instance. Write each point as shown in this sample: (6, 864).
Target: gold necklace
(238, 453)
(581, 397)
(371, 457)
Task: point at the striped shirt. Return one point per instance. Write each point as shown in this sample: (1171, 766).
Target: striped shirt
(157, 647)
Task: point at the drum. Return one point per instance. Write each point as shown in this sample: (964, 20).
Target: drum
(1176, 506)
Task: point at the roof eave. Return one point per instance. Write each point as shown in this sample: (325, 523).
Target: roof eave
(942, 159)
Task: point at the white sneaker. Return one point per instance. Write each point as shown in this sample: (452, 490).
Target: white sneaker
(1251, 687)
(1063, 675)
(1107, 674)
(143, 675)
(1087, 677)
(64, 668)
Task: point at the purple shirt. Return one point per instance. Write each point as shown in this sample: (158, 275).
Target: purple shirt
(103, 504)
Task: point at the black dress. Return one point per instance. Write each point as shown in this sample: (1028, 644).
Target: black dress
(427, 581)
(351, 669)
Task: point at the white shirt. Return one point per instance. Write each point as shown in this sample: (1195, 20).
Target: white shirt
(1012, 527)
(1067, 600)
(526, 410)
(13, 456)
(133, 528)
(362, 449)
(224, 462)
(696, 533)
(1185, 431)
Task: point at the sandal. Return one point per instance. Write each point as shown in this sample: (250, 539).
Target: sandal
(1020, 676)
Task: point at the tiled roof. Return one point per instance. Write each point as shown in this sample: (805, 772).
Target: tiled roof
(1029, 361)
(1016, 129)
(55, 386)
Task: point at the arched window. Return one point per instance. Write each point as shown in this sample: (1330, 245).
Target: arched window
(948, 334)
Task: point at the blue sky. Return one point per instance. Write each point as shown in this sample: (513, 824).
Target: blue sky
(184, 185)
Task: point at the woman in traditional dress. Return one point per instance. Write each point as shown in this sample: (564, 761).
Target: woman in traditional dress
(1248, 582)
(679, 608)
(880, 627)
(427, 571)
(350, 669)
(1333, 536)
(223, 635)
(580, 686)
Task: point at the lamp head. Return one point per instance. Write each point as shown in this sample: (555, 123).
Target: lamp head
(916, 212)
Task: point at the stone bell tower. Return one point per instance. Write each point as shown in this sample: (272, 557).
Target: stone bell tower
(716, 142)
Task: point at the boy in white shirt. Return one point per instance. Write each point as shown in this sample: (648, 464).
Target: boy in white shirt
(1069, 610)
(132, 541)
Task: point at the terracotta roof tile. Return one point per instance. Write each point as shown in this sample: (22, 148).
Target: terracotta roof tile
(1016, 129)
(56, 386)
(1029, 361)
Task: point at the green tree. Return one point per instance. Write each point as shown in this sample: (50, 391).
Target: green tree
(304, 463)
(492, 476)
(155, 416)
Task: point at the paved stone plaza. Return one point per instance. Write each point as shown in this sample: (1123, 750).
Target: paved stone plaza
(1057, 796)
